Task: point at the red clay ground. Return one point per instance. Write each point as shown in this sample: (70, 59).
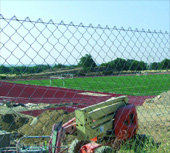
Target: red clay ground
(20, 93)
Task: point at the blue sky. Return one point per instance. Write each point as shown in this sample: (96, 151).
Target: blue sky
(150, 14)
(147, 14)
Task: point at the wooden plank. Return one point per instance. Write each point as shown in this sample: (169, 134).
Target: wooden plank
(105, 103)
(100, 112)
(102, 129)
(81, 117)
(102, 120)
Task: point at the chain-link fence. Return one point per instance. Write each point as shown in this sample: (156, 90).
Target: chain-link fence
(74, 88)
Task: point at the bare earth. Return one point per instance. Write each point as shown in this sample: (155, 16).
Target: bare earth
(154, 119)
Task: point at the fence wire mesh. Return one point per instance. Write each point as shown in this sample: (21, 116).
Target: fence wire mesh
(111, 84)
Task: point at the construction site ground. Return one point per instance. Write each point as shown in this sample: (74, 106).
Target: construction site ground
(153, 117)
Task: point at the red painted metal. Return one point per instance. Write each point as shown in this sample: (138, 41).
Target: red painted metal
(126, 122)
(58, 136)
(90, 147)
(70, 126)
(125, 127)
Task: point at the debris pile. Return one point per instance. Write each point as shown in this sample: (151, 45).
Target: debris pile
(154, 114)
(12, 122)
(161, 100)
(42, 124)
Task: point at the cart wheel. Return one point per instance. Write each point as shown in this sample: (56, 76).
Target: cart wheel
(76, 145)
(104, 149)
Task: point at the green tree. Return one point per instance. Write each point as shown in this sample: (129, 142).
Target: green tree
(119, 64)
(59, 66)
(132, 64)
(142, 66)
(4, 69)
(155, 66)
(87, 62)
(165, 64)
(135, 65)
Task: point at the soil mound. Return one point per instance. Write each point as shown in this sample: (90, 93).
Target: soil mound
(12, 122)
(161, 100)
(42, 125)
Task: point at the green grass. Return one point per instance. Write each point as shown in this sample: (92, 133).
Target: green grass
(131, 85)
(140, 145)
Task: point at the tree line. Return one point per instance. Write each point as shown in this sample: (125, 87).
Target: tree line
(120, 64)
(89, 65)
(31, 69)
(23, 69)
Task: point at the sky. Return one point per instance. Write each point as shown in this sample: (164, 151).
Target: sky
(147, 14)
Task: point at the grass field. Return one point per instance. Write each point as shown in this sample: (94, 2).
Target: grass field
(145, 85)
